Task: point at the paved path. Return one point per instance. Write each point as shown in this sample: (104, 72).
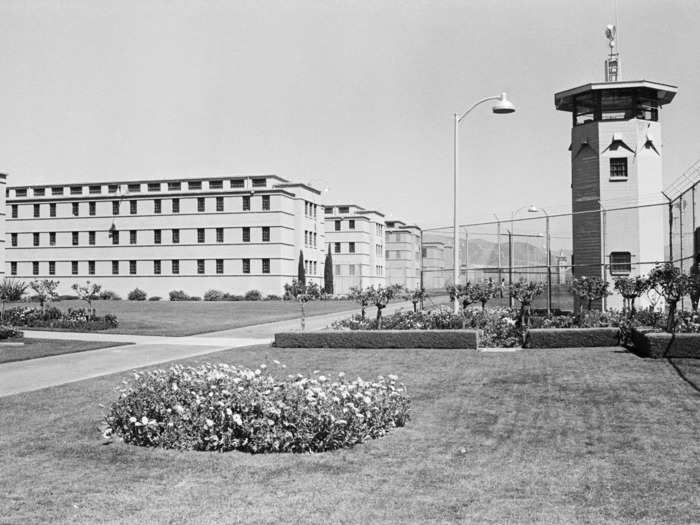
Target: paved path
(34, 374)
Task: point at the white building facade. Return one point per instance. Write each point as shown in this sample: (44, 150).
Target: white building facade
(403, 254)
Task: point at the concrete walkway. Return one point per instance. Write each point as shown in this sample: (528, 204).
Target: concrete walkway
(34, 374)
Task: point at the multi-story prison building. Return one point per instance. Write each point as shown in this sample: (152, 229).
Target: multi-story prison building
(403, 254)
(227, 233)
(355, 237)
(435, 277)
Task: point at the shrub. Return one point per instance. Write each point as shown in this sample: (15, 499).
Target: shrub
(154, 298)
(7, 332)
(67, 297)
(109, 295)
(273, 297)
(195, 298)
(253, 295)
(221, 407)
(178, 295)
(669, 282)
(52, 317)
(12, 290)
(136, 295)
(233, 297)
(213, 295)
(589, 289)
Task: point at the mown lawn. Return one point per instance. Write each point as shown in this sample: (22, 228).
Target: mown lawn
(558, 436)
(180, 318)
(34, 348)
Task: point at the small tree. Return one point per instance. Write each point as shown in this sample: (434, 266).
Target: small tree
(45, 290)
(466, 295)
(525, 293)
(88, 292)
(362, 297)
(301, 270)
(416, 296)
(300, 294)
(380, 297)
(589, 289)
(672, 285)
(328, 273)
(483, 292)
(11, 290)
(695, 289)
(631, 288)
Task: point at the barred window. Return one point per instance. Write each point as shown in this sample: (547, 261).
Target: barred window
(175, 266)
(36, 210)
(156, 267)
(113, 188)
(216, 184)
(132, 207)
(336, 247)
(92, 208)
(200, 204)
(176, 205)
(154, 186)
(246, 203)
(156, 237)
(618, 168)
(74, 267)
(132, 267)
(176, 236)
(115, 237)
(259, 183)
(91, 238)
(246, 234)
(115, 207)
(134, 188)
(91, 267)
(265, 202)
(52, 209)
(14, 211)
(620, 263)
(219, 266)
(200, 235)
(219, 204)
(157, 206)
(75, 209)
(200, 266)
(195, 185)
(13, 239)
(351, 247)
(132, 237)
(115, 267)
(95, 189)
(174, 186)
(337, 225)
(35, 268)
(52, 267)
(13, 268)
(328, 210)
(57, 190)
(52, 238)
(76, 190)
(237, 183)
(351, 224)
(266, 266)
(246, 265)
(75, 237)
(39, 192)
(219, 235)
(343, 209)
(36, 239)
(266, 234)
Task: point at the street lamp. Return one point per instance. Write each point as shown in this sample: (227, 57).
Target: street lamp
(503, 106)
(534, 209)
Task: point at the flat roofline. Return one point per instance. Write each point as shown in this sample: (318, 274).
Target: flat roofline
(562, 99)
(298, 185)
(146, 181)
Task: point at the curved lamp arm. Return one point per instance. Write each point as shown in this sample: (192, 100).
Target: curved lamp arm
(460, 118)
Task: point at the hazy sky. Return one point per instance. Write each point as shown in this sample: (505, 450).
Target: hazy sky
(355, 96)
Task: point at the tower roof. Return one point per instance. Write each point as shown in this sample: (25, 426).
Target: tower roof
(614, 95)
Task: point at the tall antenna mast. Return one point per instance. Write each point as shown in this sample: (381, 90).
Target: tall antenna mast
(612, 63)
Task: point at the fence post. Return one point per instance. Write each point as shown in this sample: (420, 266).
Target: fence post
(510, 268)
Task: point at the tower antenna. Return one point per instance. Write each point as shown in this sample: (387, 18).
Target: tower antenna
(612, 63)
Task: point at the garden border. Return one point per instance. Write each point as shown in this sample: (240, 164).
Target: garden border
(649, 342)
(467, 339)
(571, 337)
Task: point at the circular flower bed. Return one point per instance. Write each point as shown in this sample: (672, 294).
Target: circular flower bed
(222, 407)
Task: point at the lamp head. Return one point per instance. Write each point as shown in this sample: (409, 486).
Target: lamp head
(533, 209)
(503, 105)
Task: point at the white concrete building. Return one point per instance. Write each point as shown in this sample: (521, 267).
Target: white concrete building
(403, 254)
(435, 277)
(233, 234)
(356, 239)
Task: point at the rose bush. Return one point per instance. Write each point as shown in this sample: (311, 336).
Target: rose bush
(52, 317)
(222, 407)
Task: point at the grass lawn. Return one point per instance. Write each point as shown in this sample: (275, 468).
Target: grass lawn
(179, 318)
(552, 436)
(34, 348)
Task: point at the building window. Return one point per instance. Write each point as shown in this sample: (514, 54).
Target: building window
(237, 183)
(176, 236)
(132, 267)
(328, 210)
(266, 234)
(194, 185)
(200, 266)
(200, 204)
(95, 189)
(176, 205)
(35, 268)
(266, 266)
(75, 209)
(174, 186)
(156, 267)
(39, 192)
(216, 184)
(337, 226)
(246, 203)
(115, 267)
(113, 188)
(132, 207)
(52, 209)
(13, 268)
(36, 210)
(219, 266)
(343, 209)
(91, 238)
(134, 188)
(351, 224)
(52, 238)
(618, 168)
(265, 202)
(36, 238)
(92, 208)
(219, 235)
(154, 186)
(13, 238)
(337, 269)
(91, 267)
(156, 237)
(76, 190)
(246, 265)
(246, 234)
(157, 206)
(75, 237)
(219, 204)
(336, 247)
(57, 190)
(21, 192)
(200, 235)
(14, 211)
(115, 207)
(132, 237)
(351, 247)
(52, 267)
(74, 267)
(259, 183)
(620, 263)
(115, 237)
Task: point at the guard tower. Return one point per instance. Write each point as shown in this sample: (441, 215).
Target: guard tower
(616, 161)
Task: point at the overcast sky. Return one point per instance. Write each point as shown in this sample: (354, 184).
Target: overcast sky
(355, 96)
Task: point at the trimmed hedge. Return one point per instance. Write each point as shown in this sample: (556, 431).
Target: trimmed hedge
(571, 337)
(379, 339)
(651, 343)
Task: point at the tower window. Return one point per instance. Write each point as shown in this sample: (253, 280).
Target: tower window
(620, 263)
(618, 168)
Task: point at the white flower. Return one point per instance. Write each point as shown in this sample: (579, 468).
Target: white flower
(132, 419)
(237, 419)
(209, 422)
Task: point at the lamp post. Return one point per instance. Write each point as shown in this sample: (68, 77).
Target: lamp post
(534, 209)
(503, 106)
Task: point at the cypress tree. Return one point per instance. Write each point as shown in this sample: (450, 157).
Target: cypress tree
(328, 273)
(301, 271)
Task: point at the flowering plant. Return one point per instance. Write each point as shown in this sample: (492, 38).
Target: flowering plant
(222, 407)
